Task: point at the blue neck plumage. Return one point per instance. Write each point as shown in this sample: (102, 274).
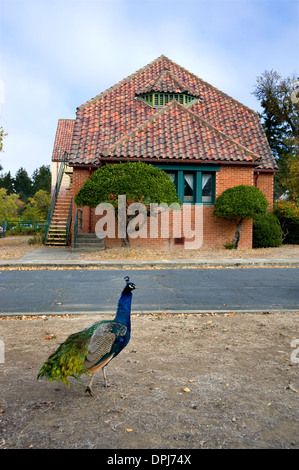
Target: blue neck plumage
(123, 313)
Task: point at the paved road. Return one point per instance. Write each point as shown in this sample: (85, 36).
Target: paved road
(173, 290)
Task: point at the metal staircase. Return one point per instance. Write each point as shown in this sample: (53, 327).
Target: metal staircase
(58, 232)
(60, 213)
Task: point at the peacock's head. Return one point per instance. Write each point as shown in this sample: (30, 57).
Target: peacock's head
(130, 285)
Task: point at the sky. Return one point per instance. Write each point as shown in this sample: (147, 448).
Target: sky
(56, 55)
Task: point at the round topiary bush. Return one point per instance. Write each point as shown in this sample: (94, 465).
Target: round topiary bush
(267, 231)
(239, 203)
(139, 181)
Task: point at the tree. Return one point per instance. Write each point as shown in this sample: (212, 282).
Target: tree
(287, 213)
(41, 179)
(2, 135)
(280, 120)
(139, 182)
(10, 205)
(275, 95)
(291, 181)
(23, 184)
(37, 206)
(7, 182)
(240, 203)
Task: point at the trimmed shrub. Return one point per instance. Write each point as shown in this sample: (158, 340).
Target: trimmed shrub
(140, 182)
(267, 231)
(239, 203)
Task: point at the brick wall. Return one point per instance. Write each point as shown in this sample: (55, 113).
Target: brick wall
(265, 182)
(79, 177)
(216, 232)
(230, 176)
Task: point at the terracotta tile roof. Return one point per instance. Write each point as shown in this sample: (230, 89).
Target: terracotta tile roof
(176, 133)
(167, 83)
(116, 113)
(63, 138)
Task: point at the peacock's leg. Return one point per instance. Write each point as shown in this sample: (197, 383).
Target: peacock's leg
(88, 388)
(105, 377)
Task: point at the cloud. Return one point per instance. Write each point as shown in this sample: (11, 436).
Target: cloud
(58, 54)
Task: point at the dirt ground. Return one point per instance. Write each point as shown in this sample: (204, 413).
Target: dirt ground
(16, 246)
(183, 382)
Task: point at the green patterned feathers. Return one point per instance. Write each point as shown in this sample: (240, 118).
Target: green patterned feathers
(69, 358)
(85, 350)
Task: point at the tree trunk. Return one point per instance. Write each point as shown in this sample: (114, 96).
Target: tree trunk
(237, 236)
(125, 242)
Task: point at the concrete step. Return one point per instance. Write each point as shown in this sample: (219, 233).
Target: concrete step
(88, 247)
(89, 242)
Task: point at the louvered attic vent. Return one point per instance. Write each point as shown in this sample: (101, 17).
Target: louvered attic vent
(158, 100)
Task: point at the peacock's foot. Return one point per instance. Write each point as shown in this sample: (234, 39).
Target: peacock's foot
(89, 390)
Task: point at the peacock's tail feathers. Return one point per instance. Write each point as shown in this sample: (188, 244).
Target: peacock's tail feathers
(68, 359)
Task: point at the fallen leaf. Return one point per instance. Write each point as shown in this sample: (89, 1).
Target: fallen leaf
(186, 389)
(129, 429)
(50, 336)
(234, 419)
(191, 381)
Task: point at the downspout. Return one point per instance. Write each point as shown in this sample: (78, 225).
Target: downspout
(256, 176)
(89, 210)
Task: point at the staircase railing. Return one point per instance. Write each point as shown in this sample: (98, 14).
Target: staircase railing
(78, 220)
(63, 164)
(68, 222)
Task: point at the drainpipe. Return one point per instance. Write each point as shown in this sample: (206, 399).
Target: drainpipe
(256, 176)
(89, 210)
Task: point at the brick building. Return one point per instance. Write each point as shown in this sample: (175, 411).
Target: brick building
(167, 116)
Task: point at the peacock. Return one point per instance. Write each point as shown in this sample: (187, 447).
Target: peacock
(94, 347)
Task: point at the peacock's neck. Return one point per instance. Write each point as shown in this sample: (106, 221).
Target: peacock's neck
(123, 313)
